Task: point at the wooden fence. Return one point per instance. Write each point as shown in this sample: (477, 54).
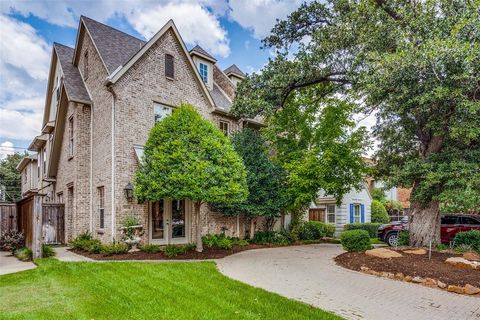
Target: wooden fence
(8, 217)
(41, 223)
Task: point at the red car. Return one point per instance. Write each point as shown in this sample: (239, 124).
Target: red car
(451, 225)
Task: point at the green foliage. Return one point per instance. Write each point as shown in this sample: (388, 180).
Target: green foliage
(378, 194)
(114, 248)
(403, 238)
(47, 251)
(442, 247)
(371, 228)
(173, 250)
(85, 242)
(416, 64)
(10, 178)
(150, 248)
(355, 240)
(316, 143)
(222, 241)
(330, 229)
(84, 236)
(23, 254)
(12, 240)
(312, 230)
(188, 157)
(379, 213)
(271, 237)
(264, 179)
(468, 238)
(129, 223)
(393, 206)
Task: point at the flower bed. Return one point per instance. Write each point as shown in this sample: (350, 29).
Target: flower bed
(415, 268)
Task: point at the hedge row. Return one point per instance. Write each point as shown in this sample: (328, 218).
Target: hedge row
(371, 228)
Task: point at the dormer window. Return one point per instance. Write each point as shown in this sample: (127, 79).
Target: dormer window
(203, 72)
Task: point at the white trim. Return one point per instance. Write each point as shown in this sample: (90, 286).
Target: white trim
(114, 77)
(113, 168)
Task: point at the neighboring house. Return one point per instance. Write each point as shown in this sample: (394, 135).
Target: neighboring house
(30, 170)
(354, 208)
(103, 97)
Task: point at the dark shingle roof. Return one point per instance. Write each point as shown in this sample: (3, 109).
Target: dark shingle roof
(220, 99)
(114, 46)
(199, 50)
(235, 70)
(73, 82)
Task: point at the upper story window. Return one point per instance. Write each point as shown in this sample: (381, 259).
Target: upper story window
(203, 72)
(224, 127)
(331, 213)
(85, 65)
(70, 136)
(169, 66)
(161, 111)
(44, 161)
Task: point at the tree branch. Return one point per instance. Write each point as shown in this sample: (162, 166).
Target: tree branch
(395, 16)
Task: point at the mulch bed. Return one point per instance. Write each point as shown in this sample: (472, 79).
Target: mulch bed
(413, 265)
(208, 253)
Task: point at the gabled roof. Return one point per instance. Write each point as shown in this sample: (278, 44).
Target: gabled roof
(220, 98)
(233, 69)
(114, 46)
(197, 50)
(74, 86)
(26, 160)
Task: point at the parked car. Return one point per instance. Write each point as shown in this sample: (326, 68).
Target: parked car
(450, 225)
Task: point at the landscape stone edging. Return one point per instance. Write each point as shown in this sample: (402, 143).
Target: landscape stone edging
(428, 282)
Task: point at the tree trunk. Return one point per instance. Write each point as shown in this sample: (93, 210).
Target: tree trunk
(425, 224)
(197, 206)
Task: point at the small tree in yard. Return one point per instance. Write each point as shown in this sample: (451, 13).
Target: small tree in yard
(379, 213)
(264, 179)
(187, 157)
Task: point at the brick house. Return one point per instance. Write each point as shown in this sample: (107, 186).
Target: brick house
(102, 99)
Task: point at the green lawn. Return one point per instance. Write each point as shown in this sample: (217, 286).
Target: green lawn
(376, 241)
(136, 290)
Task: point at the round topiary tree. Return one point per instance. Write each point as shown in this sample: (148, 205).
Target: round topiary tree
(379, 213)
(187, 157)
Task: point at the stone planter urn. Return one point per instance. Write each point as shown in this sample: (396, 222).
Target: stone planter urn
(132, 236)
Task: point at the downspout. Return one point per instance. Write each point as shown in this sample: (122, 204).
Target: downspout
(114, 98)
(91, 168)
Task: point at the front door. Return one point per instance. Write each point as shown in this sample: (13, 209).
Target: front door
(169, 221)
(317, 214)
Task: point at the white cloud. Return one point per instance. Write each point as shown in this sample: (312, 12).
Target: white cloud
(194, 22)
(6, 148)
(260, 15)
(24, 61)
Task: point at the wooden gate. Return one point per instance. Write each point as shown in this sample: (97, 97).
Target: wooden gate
(25, 219)
(8, 217)
(53, 223)
(316, 215)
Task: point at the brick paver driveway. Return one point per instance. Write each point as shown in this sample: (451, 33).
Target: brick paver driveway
(308, 274)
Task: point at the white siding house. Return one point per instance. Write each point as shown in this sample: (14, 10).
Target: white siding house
(355, 207)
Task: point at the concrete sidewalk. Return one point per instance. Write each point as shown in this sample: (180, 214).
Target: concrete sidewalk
(62, 254)
(10, 264)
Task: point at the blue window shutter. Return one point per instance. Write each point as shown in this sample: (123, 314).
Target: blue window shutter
(362, 207)
(351, 213)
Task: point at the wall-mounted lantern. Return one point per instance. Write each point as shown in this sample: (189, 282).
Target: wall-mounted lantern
(128, 190)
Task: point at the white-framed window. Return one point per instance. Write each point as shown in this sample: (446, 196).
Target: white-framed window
(357, 213)
(203, 72)
(331, 213)
(161, 111)
(44, 158)
(70, 136)
(101, 207)
(224, 127)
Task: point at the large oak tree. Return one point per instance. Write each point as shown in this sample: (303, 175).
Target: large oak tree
(416, 64)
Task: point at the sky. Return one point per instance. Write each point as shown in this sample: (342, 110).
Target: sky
(230, 30)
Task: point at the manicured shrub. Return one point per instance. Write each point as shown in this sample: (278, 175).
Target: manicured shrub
(23, 254)
(84, 236)
(12, 240)
(379, 213)
(371, 228)
(311, 230)
(403, 238)
(114, 248)
(271, 237)
(222, 241)
(173, 250)
(468, 238)
(47, 251)
(150, 248)
(442, 247)
(355, 240)
(330, 229)
(93, 246)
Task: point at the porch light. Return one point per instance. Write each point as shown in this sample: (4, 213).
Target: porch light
(128, 190)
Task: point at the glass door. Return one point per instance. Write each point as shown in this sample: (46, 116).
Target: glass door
(178, 220)
(158, 223)
(168, 221)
